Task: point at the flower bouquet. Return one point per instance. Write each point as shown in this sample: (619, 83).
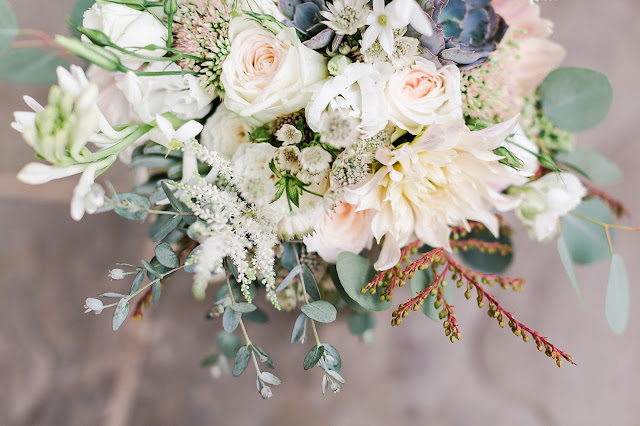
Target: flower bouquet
(318, 156)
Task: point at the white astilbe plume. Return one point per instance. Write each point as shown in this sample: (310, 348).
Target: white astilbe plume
(243, 233)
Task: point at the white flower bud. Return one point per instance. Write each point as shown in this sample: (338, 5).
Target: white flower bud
(116, 274)
(335, 387)
(337, 64)
(94, 305)
(266, 392)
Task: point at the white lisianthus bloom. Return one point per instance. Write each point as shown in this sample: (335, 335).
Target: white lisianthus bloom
(265, 7)
(383, 20)
(224, 132)
(445, 178)
(359, 89)
(266, 76)
(127, 28)
(422, 95)
(257, 181)
(344, 229)
(149, 96)
(88, 196)
(546, 200)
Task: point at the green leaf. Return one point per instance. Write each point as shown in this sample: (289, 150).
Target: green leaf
(230, 320)
(228, 343)
(166, 256)
(310, 284)
(575, 99)
(262, 355)
(289, 278)
(8, 26)
(565, 257)
(177, 205)
(258, 316)
(355, 272)
(156, 291)
(586, 241)
(333, 272)
(211, 360)
(320, 311)
(289, 256)
(30, 66)
(491, 263)
(299, 328)
(332, 357)
(120, 314)
(593, 165)
(153, 161)
(164, 225)
(360, 323)
(152, 271)
(269, 378)
(133, 206)
(112, 295)
(244, 307)
(191, 267)
(313, 356)
(241, 361)
(77, 13)
(616, 305)
(137, 281)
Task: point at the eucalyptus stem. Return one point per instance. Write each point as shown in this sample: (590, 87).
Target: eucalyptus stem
(306, 298)
(607, 228)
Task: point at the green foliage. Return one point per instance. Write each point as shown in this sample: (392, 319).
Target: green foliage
(332, 357)
(8, 26)
(137, 282)
(30, 66)
(230, 320)
(359, 323)
(565, 257)
(77, 13)
(617, 299)
(163, 226)
(262, 356)
(289, 256)
(320, 311)
(156, 292)
(592, 165)
(241, 361)
(120, 314)
(575, 99)
(166, 256)
(354, 272)
(244, 307)
(258, 316)
(310, 284)
(132, 206)
(298, 328)
(312, 357)
(491, 263)
(228, 343)
(587, 242)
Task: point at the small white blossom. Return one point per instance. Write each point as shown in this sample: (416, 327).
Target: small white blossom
(345, 17)
(88, 196)
(287, 159)
(315, 159)
(289, 135)
(339, 129)
(93, 305)
(116, 274)
(168, 137)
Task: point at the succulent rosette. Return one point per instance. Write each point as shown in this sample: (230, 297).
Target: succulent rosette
(317, 155)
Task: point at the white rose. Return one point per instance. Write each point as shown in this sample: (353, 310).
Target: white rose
(265, 7)
(266, 76)
(344, 229)
(153, 95)
(422, 95)
(128, 28)
(224, 132)
(548, 199)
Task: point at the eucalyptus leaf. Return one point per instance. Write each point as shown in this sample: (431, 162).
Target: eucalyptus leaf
(269, 378)
(258, 316)
(30, 66)
(156, 291)
(299, 328)
(565, 257)
(616, 305)
(312, 357)
(132, 206)
(586, 241)
(575, 99)
(244, 307)
(264, 358)
(288, 259)
(167, 224)
(230, 320)
(166, 256)
(355, 272)
(210, 360)
(332, 357)
(491, 263)
(152, 271)
(77, 13)
(193, 256)
(289, 278)
(310, 284)
(112, 295)
(153, 162)
(241, 360)
(359, 323)
(595, 166)
(137, 281)
(120, 314)
(420, 282)
(320, 311)
(228, 343)
(172, 198)
(8, 26)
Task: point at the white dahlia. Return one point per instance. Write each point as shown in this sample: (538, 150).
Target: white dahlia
(446, 177)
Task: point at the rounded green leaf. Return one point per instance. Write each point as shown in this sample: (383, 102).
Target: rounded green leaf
(132, 206)
(30, 66)
(228, 343)
(565, 257)
(616, 305)
(241, 361)
(332, 357)
(359, 323)
(575, 99)
(586, 241)
(120, 314)
(244, 307)
(8, 26)
(230, 320)
(491, 263)
(355, 272)
(592, 165)
(320, 311)
(312, 357)
(166, 256)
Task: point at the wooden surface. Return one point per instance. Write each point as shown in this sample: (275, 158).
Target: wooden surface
(61, 367)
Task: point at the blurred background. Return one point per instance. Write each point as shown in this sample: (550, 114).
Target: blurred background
(61, 367)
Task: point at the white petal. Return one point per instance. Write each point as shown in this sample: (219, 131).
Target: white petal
(188, 131)
(38, 173)
(165, 127)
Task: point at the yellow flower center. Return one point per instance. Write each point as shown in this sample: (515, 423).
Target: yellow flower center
(174, 144)
(382, 20)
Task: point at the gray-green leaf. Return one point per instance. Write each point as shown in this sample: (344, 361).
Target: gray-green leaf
(320, 311)
(313, 356)
(289, 278)
(30, 66)
(310, 284)
(616, 305)
(230, 320)
(355, 272)
(593, 165)
(156, 291)
(228, 343)
(241, 361)
(166, 256)
(77, 13)
(298, 328)
(576, 99)
(270, 378)
(586, 241)
(165, 225)
(120, 314)
(244, 307)
(8, 26)
(361, 322)
(565, 257)
(132, 206)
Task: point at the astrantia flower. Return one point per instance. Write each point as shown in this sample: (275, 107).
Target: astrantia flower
(445, 178)
(345, 17)
(315, 159)
(339, 129)
(289, 135)
(287, 159)
(201, 28)
(383, 20)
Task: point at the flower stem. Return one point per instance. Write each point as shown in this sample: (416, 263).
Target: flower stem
(306, 299)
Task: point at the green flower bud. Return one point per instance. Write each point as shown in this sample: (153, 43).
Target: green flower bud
(170, 7)
(509, 159)
(337, 64)
(92, 53)
(97, 37)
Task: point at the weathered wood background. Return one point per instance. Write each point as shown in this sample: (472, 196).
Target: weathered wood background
(60, 367)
